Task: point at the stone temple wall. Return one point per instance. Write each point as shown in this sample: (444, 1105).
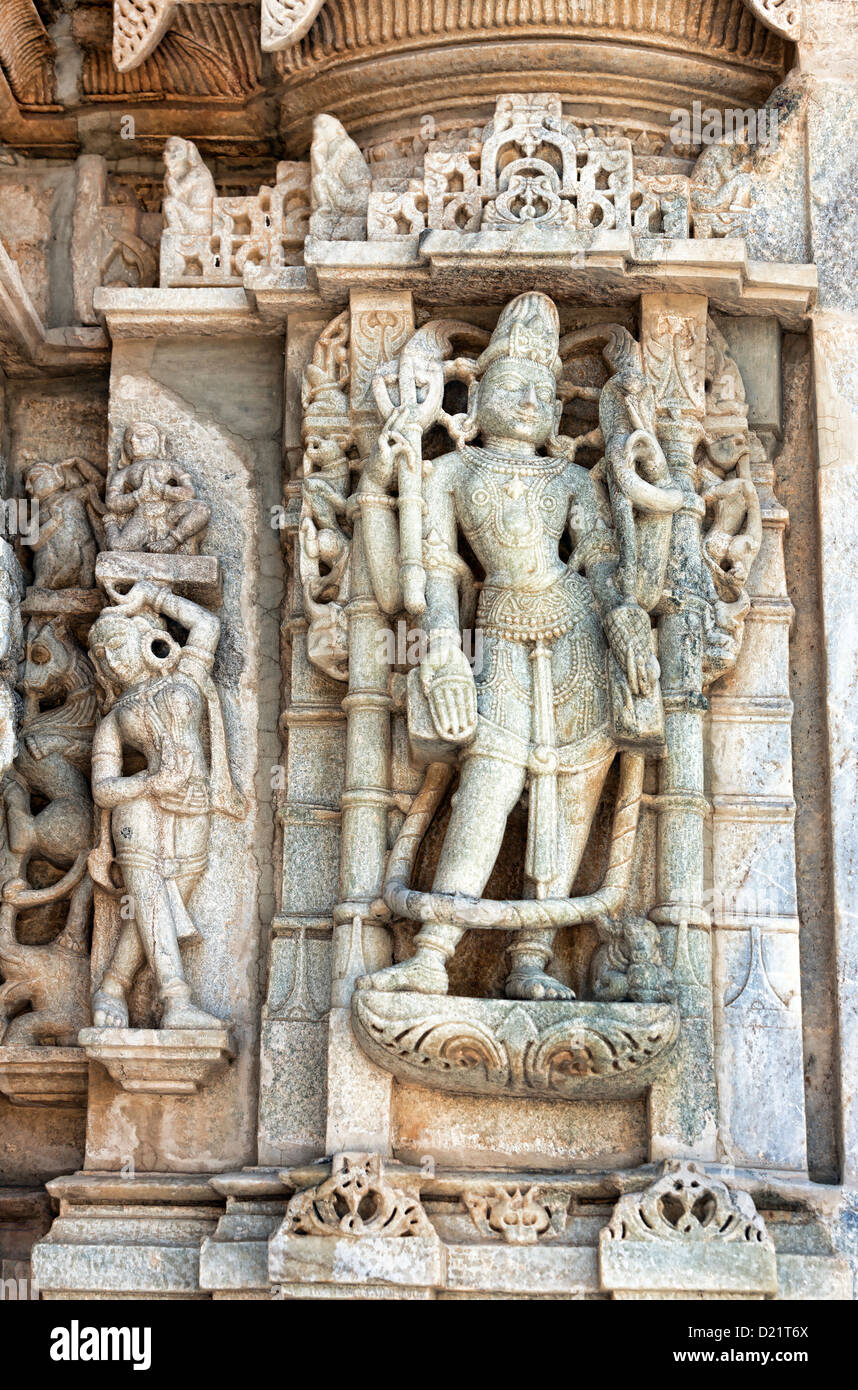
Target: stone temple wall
(428, 664)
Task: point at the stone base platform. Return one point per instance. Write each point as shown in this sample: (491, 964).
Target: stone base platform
(553, 1050)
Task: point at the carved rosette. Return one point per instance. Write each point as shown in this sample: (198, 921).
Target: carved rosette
(557, 1051)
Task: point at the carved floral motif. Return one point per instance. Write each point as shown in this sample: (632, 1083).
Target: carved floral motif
(520, 1215)
(687, 1204)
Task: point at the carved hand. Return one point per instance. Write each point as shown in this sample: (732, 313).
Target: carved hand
(628, 630)
(143, 594)
(383, 463)
(173, 775)
(448, 684)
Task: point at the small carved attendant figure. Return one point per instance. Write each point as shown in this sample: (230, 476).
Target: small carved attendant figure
(539, 709)
(151, 502)
(70, 510)
(159, 695)
(189, 189)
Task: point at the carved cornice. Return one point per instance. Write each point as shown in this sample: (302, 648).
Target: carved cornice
(140, 25)
(27, 55)
(207, 52)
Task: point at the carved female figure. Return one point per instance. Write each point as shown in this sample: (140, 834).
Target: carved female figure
(159, 694)
(151, 502)
(539, 710)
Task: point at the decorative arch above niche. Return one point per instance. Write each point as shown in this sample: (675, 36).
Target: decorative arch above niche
(140, 25)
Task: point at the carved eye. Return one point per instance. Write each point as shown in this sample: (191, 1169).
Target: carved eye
(159, 648)
(40, 654)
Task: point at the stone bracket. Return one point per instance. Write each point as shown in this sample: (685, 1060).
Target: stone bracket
(165, 1062)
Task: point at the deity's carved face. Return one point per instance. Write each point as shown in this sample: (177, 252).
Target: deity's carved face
(517, 401)
(142, 442)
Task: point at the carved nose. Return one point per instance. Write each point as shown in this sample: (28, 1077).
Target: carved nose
(529, 397)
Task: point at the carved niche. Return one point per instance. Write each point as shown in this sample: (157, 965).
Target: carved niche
(570, 681)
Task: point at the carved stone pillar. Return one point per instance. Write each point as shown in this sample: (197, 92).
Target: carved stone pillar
(827, 55)
(358, 1091)
(683, 1116)
(755, 927)
(294, 1025)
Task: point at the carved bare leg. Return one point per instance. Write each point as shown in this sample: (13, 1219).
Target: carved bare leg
(110, 1000)
(487, 792)
(578, 796)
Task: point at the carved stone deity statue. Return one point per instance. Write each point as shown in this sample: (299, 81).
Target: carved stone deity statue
(151, 502)
(539, 712)
(159, 695)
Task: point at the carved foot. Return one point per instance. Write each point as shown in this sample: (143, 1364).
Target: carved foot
(181, 1014)
(424, 973)
(532, 983)
(109, 1010)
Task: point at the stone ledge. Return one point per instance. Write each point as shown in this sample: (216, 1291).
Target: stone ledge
(44, 1076)
(197, 577)
(166, 1062)
(412, 1261)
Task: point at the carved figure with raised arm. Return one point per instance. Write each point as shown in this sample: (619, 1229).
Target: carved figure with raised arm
(156, 822)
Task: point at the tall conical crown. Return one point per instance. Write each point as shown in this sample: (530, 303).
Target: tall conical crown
(529, 329)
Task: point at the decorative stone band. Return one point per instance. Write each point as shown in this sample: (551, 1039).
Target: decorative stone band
(44, 1076)
(140, 25)
(557, 1051)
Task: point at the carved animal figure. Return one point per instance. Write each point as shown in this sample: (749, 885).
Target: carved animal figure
(52, 979)
(53, 762)
(339, 183)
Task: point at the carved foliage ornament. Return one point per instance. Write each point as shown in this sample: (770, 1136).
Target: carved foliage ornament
(782, 16)
(687, 1204)
(357, 1200)
(561, 1051)
(521, 1216)
(140, 25)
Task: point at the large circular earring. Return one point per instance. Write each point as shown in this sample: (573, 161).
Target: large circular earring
(463, 428)
(160, 651)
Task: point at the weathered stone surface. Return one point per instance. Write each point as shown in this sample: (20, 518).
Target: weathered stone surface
(427, 649)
